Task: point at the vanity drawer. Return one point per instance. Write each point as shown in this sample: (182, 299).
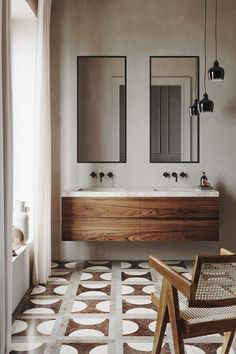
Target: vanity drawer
(100, 207)
(101, 229)
(140, 219)
(179, 230)
(180, 208)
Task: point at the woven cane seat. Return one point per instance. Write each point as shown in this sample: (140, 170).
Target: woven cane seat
(197, 304)
(196, 315)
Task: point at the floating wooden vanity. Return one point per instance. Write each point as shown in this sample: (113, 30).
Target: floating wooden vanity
(140, 218)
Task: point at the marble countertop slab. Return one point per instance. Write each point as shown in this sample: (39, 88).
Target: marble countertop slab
(140, 192)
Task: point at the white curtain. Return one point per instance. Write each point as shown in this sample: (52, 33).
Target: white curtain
(42, 187)
(6, 180)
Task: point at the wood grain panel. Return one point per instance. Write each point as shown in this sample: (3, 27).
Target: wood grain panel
(180, 208)
(179, 230)
(100, 207)
(101, 229)
(134, 219)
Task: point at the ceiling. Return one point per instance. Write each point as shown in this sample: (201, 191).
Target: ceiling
(20, 10)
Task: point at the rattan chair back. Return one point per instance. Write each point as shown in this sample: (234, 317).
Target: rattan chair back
(214, 280)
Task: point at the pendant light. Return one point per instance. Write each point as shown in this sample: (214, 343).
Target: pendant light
(216, 73)
(193, 109)
(205, 105)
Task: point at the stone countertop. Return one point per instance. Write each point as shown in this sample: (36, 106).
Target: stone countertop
(140, 192)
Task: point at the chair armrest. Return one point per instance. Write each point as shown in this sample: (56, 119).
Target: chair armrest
(225, 252)
(184, 285)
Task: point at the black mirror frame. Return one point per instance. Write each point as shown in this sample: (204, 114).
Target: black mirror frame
(198, 120)
(125, 63)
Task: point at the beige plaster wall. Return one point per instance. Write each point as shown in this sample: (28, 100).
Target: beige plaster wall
(138, 29)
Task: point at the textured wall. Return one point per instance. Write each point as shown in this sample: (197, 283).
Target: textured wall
(138, 29)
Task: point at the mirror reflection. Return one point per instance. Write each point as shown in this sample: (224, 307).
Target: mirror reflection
(173, 85)
(101, 119)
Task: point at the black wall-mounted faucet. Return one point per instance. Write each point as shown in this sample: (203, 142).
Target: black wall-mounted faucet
(175, 175)
(101, 175)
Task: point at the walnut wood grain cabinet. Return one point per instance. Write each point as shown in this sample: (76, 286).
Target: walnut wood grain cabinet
(180, 218)
(100, 219)
(140, 219)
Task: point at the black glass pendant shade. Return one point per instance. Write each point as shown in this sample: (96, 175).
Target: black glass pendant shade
(205, 105)
(216, 72)
(193, 109)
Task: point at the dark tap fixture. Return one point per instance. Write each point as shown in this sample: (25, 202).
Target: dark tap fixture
(93, 174)
(101, 175)
(110, 174)
(166, 174)
(175, 175)
(183, 174)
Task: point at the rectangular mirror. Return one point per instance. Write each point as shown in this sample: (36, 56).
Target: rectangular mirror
(174, 135)
(101, 120)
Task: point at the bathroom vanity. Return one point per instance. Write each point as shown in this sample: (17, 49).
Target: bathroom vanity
(177, 214)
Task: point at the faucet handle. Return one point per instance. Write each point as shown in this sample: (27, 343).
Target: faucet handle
(93, 174)
(166, 174)
(110, 175)
(183, 174)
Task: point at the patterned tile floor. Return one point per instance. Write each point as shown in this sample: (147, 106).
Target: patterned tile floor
(97, 308)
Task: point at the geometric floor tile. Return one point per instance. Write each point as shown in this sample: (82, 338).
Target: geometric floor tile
(50, 289)
(138, 327)
(134, 289)
(26, 347)
(87, 327)
(96, 276)
(96, 289)
(138, 305)
(33, 327)
(91, 306)
(135, 276)
(97, 307)
(37, 306)
(138, 347)
(85, 348)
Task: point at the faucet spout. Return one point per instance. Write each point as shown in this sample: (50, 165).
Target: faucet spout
(101, 175)
(174, 174)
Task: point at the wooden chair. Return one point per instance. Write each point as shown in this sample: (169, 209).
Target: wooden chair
(198, 307)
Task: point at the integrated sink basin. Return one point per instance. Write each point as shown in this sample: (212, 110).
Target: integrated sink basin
(102, 189)
(156, 192)
(176, 189)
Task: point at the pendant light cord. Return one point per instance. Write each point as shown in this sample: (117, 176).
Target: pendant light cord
(216, 20)
(205, 46)
(196, 81)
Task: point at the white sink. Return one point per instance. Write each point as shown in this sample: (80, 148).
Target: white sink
(176, 189)
(102, 189)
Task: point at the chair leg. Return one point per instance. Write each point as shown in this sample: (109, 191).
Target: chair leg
(162, 319)
(228, 339)
(174, 314)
